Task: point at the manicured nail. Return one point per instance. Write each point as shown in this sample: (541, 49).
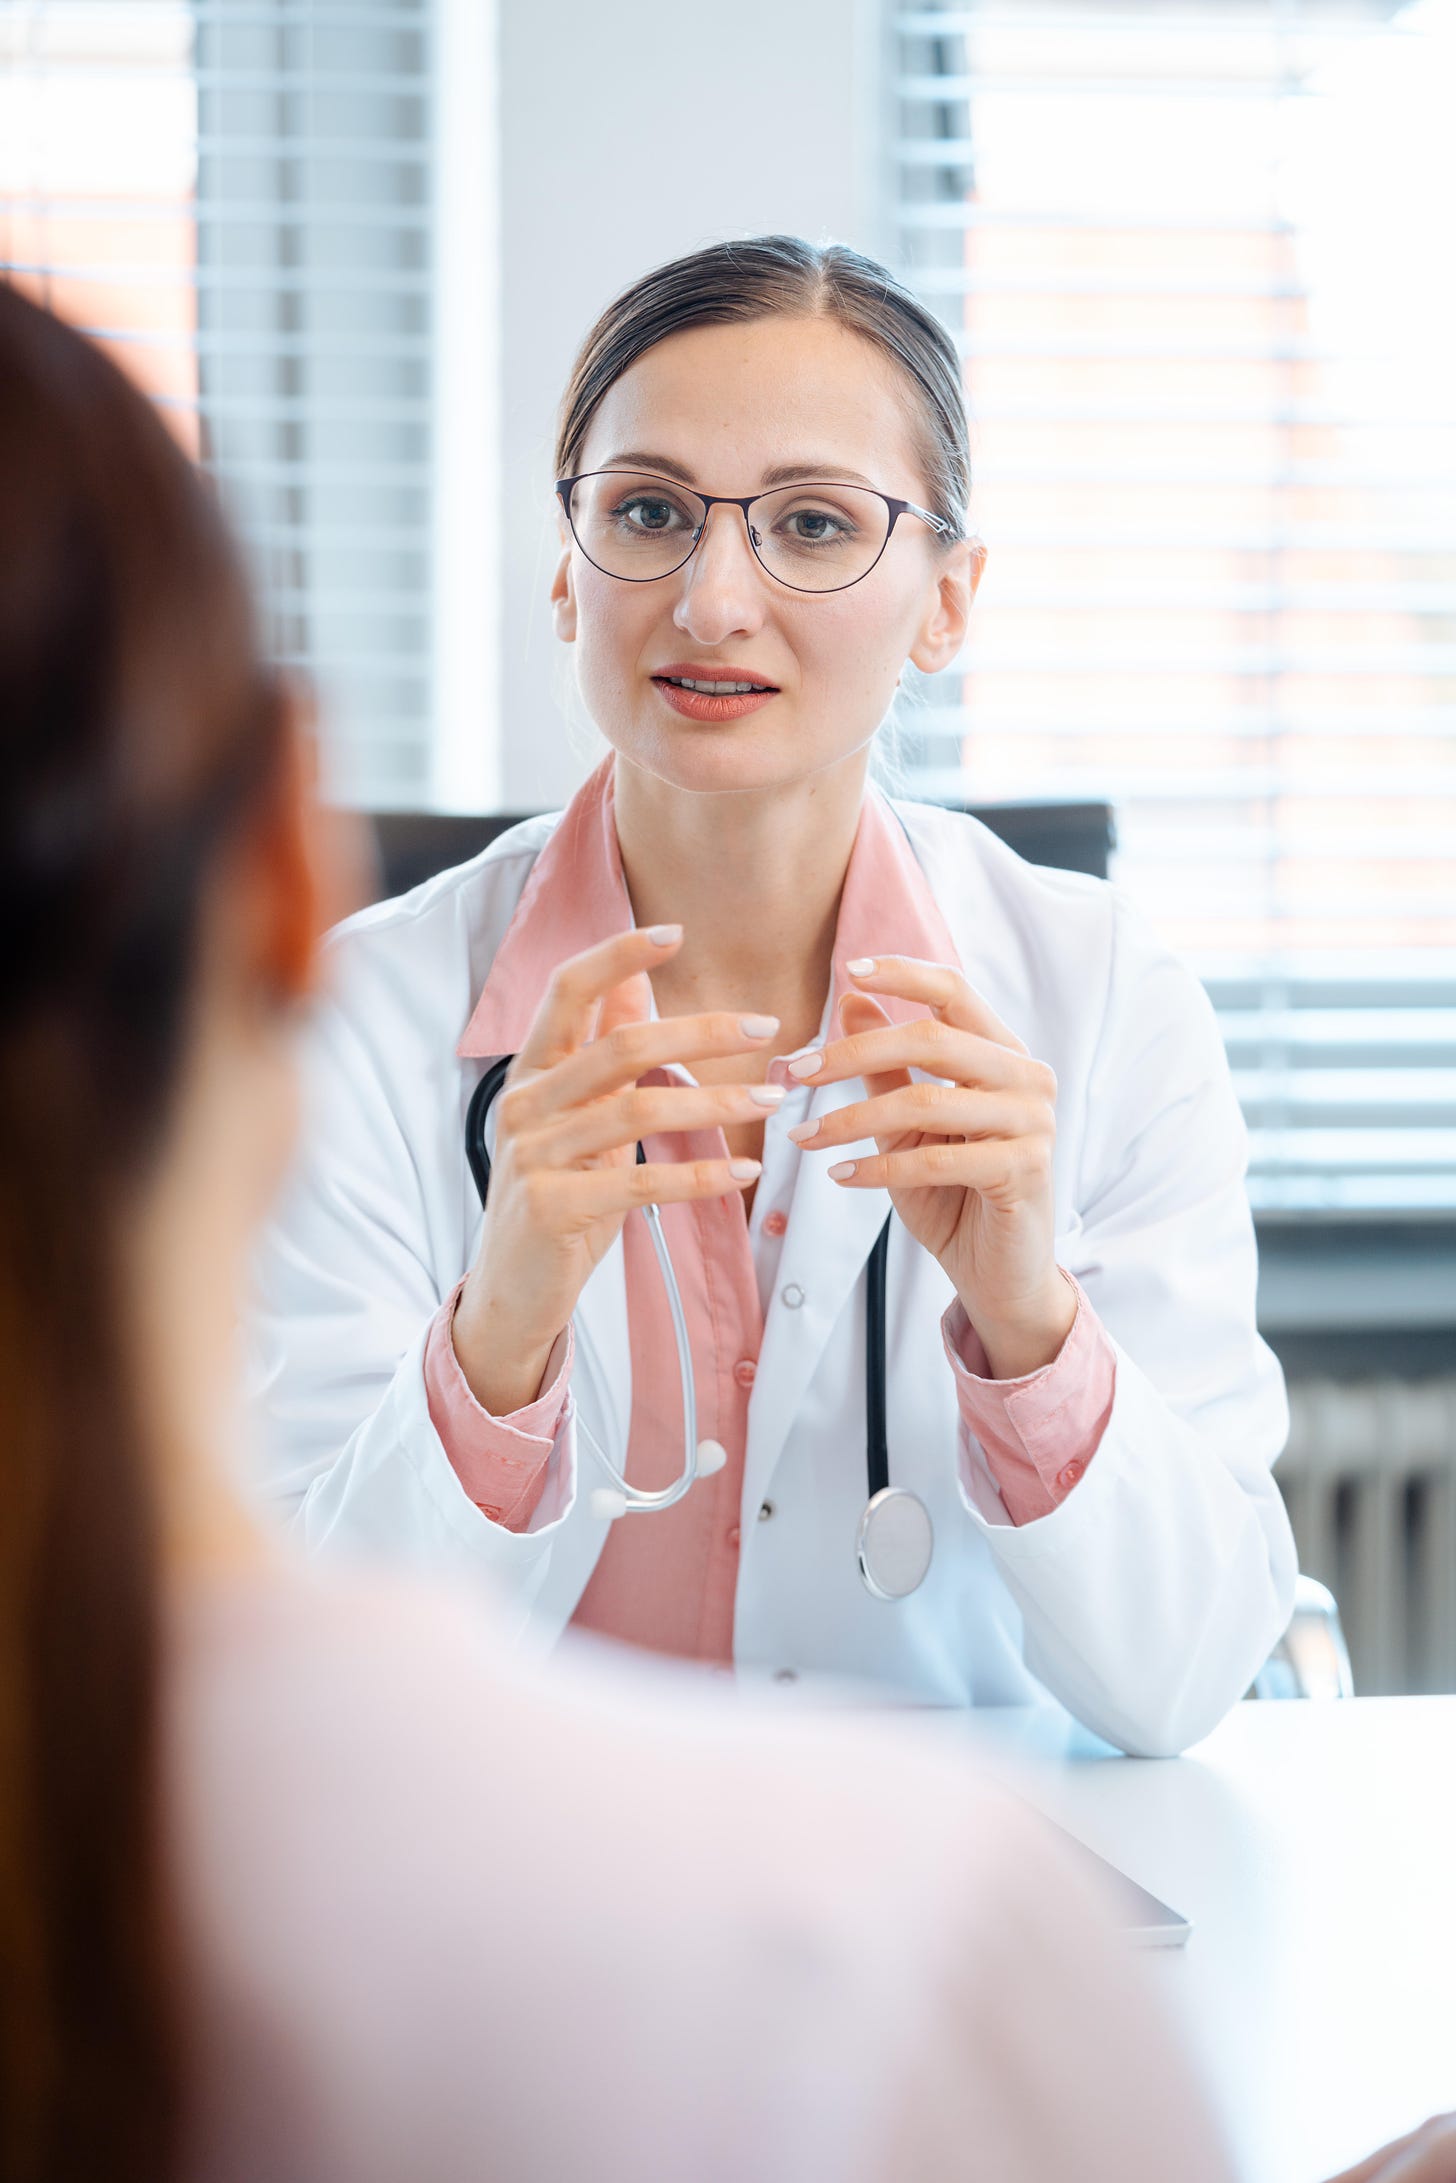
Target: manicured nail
(803, 1131)
(758, 1026)
(843, 1169)
(664, 935)
(862, 967)
(765, 1095)
(744, 1170)
(807, 1065)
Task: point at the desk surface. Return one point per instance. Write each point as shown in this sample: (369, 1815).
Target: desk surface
(1314, 1849)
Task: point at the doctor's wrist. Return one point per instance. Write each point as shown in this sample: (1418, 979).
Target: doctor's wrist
(503, 1362)
(1029, 1340)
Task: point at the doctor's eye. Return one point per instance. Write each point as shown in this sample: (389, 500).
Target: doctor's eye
(651, 516)
(836, 530)
(813, 526)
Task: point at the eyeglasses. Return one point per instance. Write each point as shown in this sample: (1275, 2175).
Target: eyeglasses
(820, 536)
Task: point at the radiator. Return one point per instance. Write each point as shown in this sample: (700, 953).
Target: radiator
(1369, 1478)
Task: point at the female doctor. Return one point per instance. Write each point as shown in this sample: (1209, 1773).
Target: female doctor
(741, 986)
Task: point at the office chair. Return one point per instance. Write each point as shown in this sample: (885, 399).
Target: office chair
(1311, 1659)
(412, 846)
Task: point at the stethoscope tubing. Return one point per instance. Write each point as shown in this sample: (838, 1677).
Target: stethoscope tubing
(895, 1539)
(635, 1499)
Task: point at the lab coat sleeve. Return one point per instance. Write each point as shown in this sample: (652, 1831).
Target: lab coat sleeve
(347, 1284)
(1153, 1593)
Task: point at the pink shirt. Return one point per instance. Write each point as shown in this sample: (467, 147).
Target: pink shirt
(447, 1915)
(670, 1585)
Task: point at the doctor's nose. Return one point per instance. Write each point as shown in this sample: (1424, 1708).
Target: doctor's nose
(723, 587)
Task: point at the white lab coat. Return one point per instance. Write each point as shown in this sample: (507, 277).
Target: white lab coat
(1145, 1602)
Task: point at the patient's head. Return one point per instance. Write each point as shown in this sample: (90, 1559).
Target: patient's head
(155, 920)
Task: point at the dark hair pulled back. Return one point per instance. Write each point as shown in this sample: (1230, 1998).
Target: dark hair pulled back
(138, 726)
(782, 274)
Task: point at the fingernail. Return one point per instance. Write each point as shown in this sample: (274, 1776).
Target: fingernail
(862, 967)
(664, 935)
(843, 1169)
(807, 1065)
(765, 1095)
(758, 1026)
(743, 1170)
(803, 1131)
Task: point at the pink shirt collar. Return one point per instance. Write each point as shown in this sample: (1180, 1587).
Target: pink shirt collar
(576, 896)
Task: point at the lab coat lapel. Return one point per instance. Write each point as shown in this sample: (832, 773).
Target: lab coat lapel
(830, 1235)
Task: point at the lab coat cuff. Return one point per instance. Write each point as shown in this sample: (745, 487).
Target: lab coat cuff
(1037, 1434)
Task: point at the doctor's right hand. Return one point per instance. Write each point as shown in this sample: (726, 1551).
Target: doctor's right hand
(565, 1174)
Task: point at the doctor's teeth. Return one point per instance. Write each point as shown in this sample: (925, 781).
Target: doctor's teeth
(714, 689)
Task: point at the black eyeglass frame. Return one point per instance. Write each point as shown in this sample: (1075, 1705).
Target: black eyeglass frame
(566, 486)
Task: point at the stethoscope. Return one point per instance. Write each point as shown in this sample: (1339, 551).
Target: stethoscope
(895, 1538)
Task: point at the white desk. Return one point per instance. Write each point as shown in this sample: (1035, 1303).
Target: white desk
(1314, 1849)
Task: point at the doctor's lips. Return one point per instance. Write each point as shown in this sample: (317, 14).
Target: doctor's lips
(708, 690)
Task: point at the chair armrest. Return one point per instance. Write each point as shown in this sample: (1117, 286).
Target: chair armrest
(1311, 1659)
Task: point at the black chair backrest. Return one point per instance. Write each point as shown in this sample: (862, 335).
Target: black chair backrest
(413, 845)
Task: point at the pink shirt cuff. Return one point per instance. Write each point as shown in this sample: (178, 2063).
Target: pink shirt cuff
(1038, 1433)
(500, 1461)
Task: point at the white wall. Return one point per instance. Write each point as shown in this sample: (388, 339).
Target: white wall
(632, 131)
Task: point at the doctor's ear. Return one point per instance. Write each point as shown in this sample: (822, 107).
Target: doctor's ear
(563, 597)
(943, 631)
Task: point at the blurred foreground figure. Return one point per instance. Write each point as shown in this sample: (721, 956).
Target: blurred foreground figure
(299, 1880)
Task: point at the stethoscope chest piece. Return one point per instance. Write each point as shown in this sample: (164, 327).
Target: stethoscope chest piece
(895, 1543)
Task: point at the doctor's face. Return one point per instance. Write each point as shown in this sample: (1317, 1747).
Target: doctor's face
(736, 410)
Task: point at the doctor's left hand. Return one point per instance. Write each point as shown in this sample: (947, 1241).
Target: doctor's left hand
(967, 1160)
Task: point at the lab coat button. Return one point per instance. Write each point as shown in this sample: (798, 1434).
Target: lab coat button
(792, 1296)
(1069, 1474)
(765, 1510)
(785, 1675)
(745, 1371)
(776, 1224)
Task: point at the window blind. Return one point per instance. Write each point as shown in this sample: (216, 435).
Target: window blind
(236, 197)
(1192, 255)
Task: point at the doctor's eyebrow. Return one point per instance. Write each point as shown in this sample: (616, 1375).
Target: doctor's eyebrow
(782, 473)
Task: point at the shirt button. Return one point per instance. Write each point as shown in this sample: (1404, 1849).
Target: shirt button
(792, 1296)
(766, 1509)
(776, 1224)
(1067, 1477)
(745, 1371)
(734, 1535)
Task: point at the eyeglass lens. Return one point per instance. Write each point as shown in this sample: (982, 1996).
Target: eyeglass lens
(813, 537)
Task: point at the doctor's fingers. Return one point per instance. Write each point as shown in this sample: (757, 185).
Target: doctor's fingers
(627, 1117)
(939, 986)
(932, 1110)
(994, 1166)
(615, 1061)
(940, 1049)
(578, 988)
(561, 1197)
